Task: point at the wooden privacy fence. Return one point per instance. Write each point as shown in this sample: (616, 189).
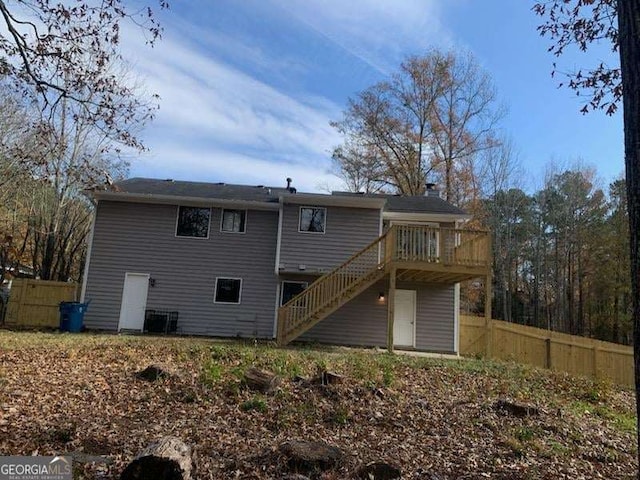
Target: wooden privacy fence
(34, 303)
(547, 349)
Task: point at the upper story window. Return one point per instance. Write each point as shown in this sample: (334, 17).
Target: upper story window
(193, 222)
(312, 219)
(233, 221)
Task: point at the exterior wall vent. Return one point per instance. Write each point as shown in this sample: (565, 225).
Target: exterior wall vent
(160, 321)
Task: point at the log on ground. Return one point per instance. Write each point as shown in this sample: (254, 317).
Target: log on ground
(166, 459)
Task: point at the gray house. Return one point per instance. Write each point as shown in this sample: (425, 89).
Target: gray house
(254, 261)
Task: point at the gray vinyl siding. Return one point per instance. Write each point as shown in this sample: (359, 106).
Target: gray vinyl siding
(363, 320)
(347, 231)
(435, 327)
(140, 238)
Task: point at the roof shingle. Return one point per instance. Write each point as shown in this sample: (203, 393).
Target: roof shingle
(261, 193)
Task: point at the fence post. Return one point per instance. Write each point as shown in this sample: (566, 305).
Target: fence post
(595, 361)
(489, 338)
(487, 314)
(547, 362)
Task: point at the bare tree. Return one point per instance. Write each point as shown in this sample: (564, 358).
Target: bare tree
(578, 24)
(359, 167)
(431, 118)
(581, 23)
(55, 51)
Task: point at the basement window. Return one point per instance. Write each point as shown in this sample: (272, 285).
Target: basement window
(312, 219)
(228, 290)
(290, 290)
(193, 222)
(233, 221)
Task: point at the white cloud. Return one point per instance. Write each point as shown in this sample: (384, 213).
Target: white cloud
(221, 120)
(378, 32)
(215, 117)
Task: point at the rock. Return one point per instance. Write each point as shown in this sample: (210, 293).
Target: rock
(309, 456)
(516, 409)
(167, 459)
(379, 471)
(260, 381)
(153, 373)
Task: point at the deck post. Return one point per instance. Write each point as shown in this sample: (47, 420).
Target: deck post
(488, 296)
(391, 308)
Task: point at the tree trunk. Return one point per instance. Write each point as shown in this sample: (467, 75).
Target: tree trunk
(167, 459)
(629, 39)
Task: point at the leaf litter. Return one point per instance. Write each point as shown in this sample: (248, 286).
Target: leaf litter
(433, 419)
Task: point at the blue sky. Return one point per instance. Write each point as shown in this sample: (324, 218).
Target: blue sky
(248, 87)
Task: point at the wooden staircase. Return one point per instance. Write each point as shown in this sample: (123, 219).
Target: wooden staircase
(331, 291)
(413, 252)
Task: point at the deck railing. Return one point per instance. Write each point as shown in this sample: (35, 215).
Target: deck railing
(417, 244)
(449, 246)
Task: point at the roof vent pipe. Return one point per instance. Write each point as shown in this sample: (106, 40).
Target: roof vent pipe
(431, 190)
(289, 187)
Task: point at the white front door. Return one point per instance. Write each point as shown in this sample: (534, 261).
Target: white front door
(404, 318)
(134, 301)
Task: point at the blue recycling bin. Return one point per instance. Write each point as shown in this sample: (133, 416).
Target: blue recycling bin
(72, 316)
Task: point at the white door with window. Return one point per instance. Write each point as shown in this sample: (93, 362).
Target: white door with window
(134, 301)
(404, 319)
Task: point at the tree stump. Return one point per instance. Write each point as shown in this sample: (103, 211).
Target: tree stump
(166, 459)
(379, 471)
(308, 456)
(153, 373)
(327, 378)
(516, 409)
(260, 381)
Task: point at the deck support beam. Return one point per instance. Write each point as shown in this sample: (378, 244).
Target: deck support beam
(391, 303)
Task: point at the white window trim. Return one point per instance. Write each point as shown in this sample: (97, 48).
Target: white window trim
(189, 236)
(306, 285)
(246, 216)
(215, 291)
(300, 218)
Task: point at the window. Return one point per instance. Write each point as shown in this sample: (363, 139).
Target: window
(233, 221)
(290, 290)
(228, 290)
(193, 222)
(312, 219)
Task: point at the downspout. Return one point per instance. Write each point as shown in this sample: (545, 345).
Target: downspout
(279, 239)
(456, 318)
(277, 267)
(85, 274)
